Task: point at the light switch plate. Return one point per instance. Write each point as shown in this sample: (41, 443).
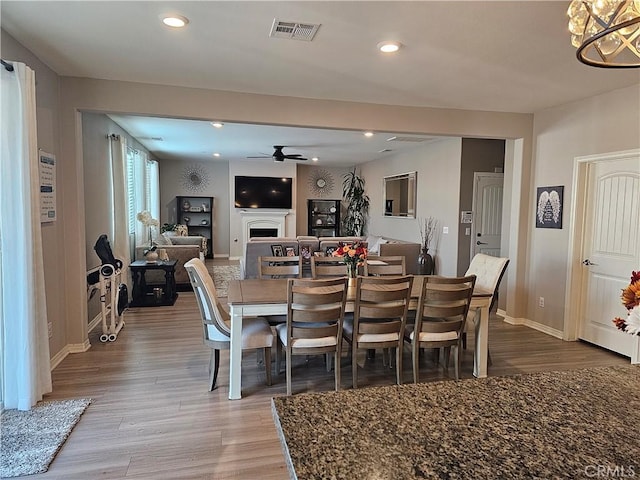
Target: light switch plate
(445, 230)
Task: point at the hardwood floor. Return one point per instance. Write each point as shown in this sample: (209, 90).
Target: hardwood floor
(152, 416)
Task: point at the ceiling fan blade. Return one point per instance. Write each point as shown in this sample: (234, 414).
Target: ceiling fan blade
(290, 157)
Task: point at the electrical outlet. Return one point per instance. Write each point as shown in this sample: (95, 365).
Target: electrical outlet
(50, 329)
(541, 302)
(445, 230)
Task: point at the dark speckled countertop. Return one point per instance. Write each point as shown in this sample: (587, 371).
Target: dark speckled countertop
(543, 426)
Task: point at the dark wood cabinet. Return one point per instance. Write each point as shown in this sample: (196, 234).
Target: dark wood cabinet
(197, 214)
(323, 218)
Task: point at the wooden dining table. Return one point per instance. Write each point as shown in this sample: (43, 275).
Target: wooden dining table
(260, 297)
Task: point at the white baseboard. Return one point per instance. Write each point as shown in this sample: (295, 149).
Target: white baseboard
(531, 324)
(235, 258)
(67, 349)
(221, 255)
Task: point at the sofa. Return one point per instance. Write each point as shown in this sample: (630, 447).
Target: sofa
(261, 246)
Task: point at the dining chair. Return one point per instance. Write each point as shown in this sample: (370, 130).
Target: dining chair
(279, 267)
(216, 322)
(489, 272)
(315, 312)
(385, 265)
(379, 318)
(440, 318)
(324, 267)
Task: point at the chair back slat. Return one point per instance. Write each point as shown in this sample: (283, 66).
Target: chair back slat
(279, 267)
(390, 265)
(382, 298)
(327, 267)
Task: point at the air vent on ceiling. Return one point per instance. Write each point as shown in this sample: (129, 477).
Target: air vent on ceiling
(293, 30)
(407, 139)
(156, 139)
(384, 150)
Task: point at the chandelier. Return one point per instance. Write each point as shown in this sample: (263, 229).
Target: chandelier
(606, 32)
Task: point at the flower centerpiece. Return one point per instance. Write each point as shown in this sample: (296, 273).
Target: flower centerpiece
(149, 222)
(631, 300)
(353, 255)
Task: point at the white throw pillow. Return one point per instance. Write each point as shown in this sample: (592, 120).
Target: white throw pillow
(167, 238)
(373, 244)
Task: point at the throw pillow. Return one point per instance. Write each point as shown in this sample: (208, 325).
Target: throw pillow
(373, 243)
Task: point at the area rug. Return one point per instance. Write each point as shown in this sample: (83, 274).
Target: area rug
(30, 439)
(570, 424)
(222, 275)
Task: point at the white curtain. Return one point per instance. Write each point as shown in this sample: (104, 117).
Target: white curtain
(119, 238)
(26, 365)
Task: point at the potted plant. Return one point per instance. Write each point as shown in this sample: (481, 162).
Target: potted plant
(428, 228)
(355, 218)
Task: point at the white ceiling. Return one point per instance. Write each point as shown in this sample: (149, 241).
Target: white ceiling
(508, 56)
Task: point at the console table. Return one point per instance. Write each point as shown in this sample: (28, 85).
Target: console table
(150, 291)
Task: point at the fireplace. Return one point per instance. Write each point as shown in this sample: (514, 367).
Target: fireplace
(257, 223)
(263, 232)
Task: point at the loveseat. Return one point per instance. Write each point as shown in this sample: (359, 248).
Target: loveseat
(261, 246)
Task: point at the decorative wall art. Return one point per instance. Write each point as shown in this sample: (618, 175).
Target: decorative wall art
(549, 207)
(47, 171)
(195, 178)
(321, 182)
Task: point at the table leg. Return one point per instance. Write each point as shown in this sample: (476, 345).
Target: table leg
(481, 351)
(235, 353)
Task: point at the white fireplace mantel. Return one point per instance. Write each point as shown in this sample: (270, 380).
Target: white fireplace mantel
(262, 219)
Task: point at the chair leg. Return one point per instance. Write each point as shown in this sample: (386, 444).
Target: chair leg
(354, 366)
(214, 365)
(447, 354)
(385, 355)
(288, 371)
(328, 361)
(464, 340)
(398, 364)
(456, 359)
(278, 357)
(337, 369)
(267, 364)
(415, 354)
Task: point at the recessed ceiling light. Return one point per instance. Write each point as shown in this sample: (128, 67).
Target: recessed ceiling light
(314, 159)
(216, 154)
(368, 134)
(389, 47)
(175, 21)
(217, 124)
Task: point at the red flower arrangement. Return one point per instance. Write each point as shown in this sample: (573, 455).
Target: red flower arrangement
(353, 255)
(631, 300)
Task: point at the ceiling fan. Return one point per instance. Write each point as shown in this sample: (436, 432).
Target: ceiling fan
(279, 156)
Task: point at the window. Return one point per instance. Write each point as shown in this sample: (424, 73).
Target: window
(143, 192)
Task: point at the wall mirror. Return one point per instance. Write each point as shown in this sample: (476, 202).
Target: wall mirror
(400, 195)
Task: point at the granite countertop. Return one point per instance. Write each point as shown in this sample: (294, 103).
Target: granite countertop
(546, 425)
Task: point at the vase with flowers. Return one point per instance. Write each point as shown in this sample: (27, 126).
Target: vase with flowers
(149, 222)
(353, 255)
(428, 227)
(631, 300)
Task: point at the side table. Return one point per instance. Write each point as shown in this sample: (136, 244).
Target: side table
(153, 291)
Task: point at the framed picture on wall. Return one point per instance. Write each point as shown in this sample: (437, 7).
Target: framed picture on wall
(549, 202)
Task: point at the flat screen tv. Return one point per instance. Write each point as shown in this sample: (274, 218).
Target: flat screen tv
(263, 192)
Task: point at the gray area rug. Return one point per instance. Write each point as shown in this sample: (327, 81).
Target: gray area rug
(222, 275)
(30, 439)
(550, 425)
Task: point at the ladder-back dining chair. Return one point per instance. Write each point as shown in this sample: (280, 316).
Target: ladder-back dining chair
(440, 318)
(216, 323)
(280, 267)
(328, 267)
(385, 265)
(379, 318)
(315, 312)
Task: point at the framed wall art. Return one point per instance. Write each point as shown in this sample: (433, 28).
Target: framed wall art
(549, 202)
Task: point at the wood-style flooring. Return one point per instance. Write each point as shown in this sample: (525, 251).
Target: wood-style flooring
(152, 416)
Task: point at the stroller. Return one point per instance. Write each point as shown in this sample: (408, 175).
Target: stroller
(114, 296)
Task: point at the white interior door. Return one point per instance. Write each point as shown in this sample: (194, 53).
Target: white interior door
(487, 213)
(611, 250)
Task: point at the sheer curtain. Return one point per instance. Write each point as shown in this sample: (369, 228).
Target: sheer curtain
(26, 365)
(120, 229)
